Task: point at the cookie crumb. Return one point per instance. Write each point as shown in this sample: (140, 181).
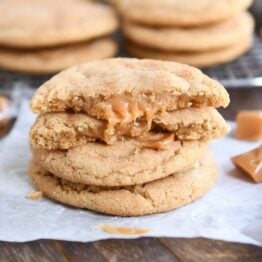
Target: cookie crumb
(123, 230)
(34, 195)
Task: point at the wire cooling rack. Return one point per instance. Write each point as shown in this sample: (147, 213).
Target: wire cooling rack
(245, 72)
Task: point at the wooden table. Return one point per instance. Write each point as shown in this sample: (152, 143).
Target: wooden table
(145, 249)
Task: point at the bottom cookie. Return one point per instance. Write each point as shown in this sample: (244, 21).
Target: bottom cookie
(155, 197)
(198, 59)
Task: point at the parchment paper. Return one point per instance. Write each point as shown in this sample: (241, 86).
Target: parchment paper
(231, 211)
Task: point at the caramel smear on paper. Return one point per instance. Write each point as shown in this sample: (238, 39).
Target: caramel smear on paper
(123, 230)
(34, 195)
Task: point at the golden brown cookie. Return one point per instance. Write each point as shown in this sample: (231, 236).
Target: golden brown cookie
(198, 59)
(122, 90)
(209, 37)
(55, 59)
(126, 162)
(179, 12)
(159, 196)
(41, 23)
(65, 130)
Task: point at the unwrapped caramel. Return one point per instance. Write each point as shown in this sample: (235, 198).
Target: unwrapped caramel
(4, 104)
(249, 125)
(250, 163)
(4, 117)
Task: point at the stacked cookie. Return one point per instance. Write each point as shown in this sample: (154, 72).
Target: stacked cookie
(46, 36)
(201, 33)
(126, 137)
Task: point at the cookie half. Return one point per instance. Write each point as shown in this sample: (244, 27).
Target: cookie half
(159, 196)
(179, 13)
(42, 23)
(209, 37)
(127, 162)
(66, 130)
(122, 90)
(198, 59)
(55, 59)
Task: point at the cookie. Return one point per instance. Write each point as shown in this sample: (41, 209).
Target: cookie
(55, 59)
(126, 162)
(42, 23)
(122, 90)
(180, 12)
(198, 59)
(159, 196)
(66, 130)
(213, 36)
(193, 124)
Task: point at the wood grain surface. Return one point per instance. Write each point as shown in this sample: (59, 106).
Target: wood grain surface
(142, 250)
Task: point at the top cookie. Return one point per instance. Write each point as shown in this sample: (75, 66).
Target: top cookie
(122, 90)
(31, 23)
(180, 12)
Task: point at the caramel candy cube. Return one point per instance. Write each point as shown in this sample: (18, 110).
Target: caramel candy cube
(249, 125)
(4, 104)
(250, 163)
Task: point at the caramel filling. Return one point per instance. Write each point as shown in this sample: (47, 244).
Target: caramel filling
(121, 109)
(157, 141)
(121, 130)
(138, 130)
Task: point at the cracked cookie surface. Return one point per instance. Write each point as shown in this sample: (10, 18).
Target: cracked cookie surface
(158, 196)
(126, 162)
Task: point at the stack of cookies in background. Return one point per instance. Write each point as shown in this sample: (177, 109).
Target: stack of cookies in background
(200, 33)
(126, 137)
(47, 36)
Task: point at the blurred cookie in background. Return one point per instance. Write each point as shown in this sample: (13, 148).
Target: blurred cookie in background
(43, 23)
(47, 60)
(198, 59)
(34, 34)
(200, 33)
(183, 13)
(194, 39)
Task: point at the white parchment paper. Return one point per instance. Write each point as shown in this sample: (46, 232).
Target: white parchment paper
(231, 211)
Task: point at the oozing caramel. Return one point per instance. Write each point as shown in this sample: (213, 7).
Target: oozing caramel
(156, 141)
(122, 130)
(125, 108)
